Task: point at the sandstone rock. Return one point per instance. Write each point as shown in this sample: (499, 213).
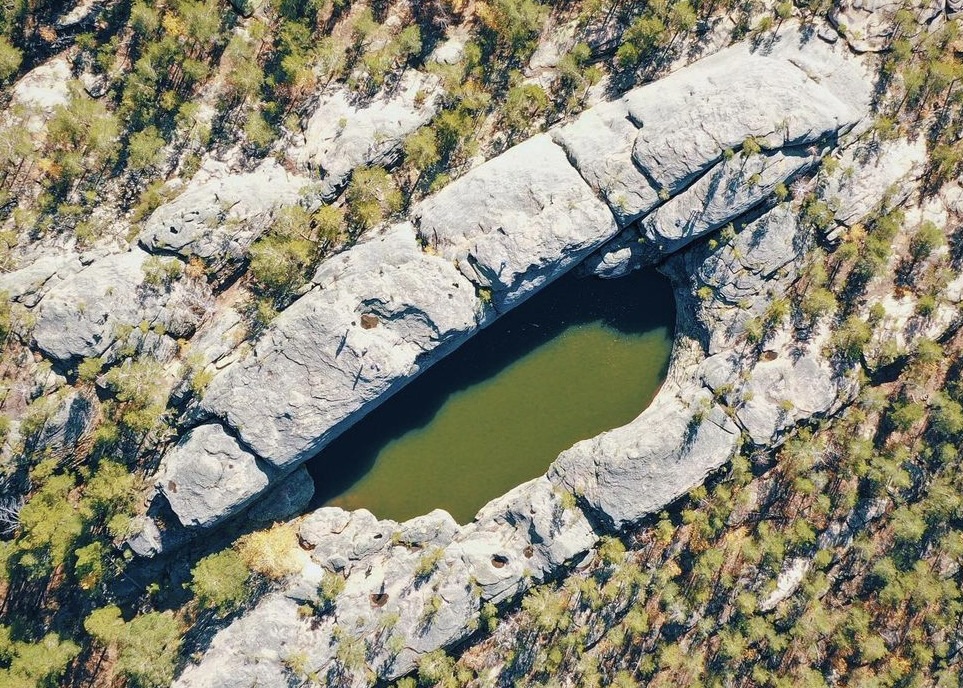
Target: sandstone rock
(29, 284)
(317, 369)
(689, 118)
(866, 174)
(69, 425)
(516, 222)
(629, 472)
(218, 219)
(867, 25)
(85, 314)
(246, 8)
(345, 133)
(286, 500)
(599, 144)
(209, 474)
(41, 90)
(80, 316)
(722, 194)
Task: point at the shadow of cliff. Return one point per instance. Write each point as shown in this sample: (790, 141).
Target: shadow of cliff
(633, 304)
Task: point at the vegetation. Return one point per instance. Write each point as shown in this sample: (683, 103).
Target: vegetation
(686, 600)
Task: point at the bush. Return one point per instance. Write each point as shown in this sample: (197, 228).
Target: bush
(273, 552)
(219, 582)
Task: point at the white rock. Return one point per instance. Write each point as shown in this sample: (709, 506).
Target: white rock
(516, 222)
(345, 132)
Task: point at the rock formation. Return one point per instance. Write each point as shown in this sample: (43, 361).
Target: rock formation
(670, 170)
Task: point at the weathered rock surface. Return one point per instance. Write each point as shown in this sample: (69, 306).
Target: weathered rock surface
(385, 309)
(688, 119)
(728, 190)
(29, 284)
(516, 222)
(345, 133)
(84, 315)
(285, 500)
(867, 25)
(69, 425)
(599, 143)
(377, 316)
(41, 90)
(662, 136)
(209, 473)
(219, 218)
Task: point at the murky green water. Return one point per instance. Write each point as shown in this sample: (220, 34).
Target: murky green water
(581, 357)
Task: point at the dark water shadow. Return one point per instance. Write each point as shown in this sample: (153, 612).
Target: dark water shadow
(634, 304)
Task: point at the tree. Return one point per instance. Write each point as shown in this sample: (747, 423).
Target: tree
(371, 195)
(258, 132)
(10, 59)
(927, 238)
(421, 149)
(514, 23)
(38, 664)
(219, 581)
(523, 105)
(105, 625)
(145, 149)
(148, 649)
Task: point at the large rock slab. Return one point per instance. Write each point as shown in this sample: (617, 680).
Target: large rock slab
(516, 222)
(378, 315)
(688, 119)
(218, 219)
(599, 144)
(28, 284)
(867, 25)
(346, 132)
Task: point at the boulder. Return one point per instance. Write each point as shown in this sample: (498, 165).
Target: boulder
(219, 218)
(516, 222)
(86, 313)
(69, 425)
(867, 25)
(630, 472)
(209, 474)
(378, 314)
(41, 90)
(346, 132)
(599, 144)
(867, 173)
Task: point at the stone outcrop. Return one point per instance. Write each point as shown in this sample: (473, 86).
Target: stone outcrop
(381, 312)
(867, 25)
(347, 131)
(82, 316)
(218, 219)
(208, 473)
(373, 320)
(511, 236)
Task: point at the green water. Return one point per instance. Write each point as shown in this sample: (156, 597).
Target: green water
(579, 358)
